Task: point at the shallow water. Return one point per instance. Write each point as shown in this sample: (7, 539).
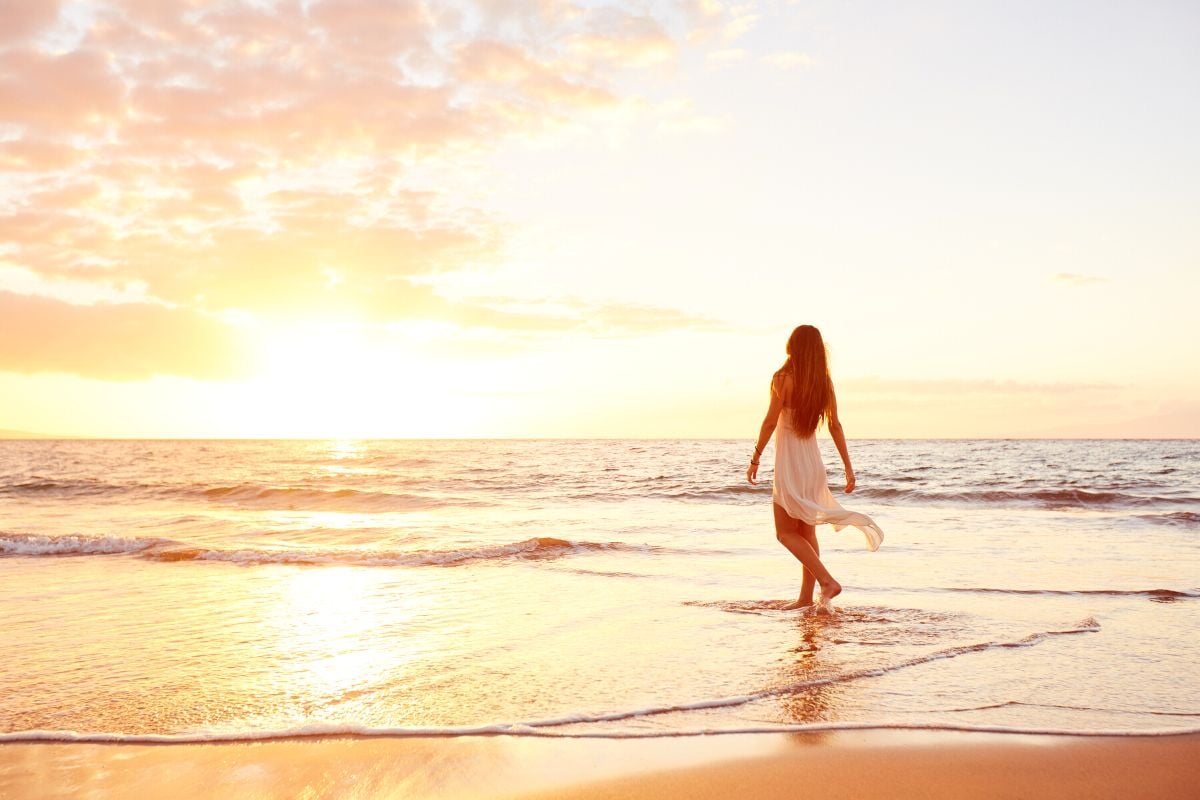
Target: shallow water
(601, 588)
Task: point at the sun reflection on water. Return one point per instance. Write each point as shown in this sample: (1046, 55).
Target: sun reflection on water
(345, 448)
(803, 666)
(338, 627)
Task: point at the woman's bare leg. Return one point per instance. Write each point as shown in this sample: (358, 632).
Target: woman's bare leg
(809, 581)
(791, 538)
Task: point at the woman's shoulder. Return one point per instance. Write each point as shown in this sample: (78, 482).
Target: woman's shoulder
(781, 382)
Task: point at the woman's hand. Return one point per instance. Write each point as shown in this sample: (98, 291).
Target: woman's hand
(849, 481)
(752, 472)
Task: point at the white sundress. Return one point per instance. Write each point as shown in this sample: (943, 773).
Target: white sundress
(802, 488)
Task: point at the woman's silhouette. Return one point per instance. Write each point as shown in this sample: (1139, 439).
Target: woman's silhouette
(802, 397)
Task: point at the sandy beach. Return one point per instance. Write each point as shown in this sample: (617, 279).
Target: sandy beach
(859, 764)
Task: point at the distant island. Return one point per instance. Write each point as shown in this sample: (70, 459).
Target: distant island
(26, 435)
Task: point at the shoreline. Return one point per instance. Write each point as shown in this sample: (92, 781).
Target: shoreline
(844, 763)
(329, 731)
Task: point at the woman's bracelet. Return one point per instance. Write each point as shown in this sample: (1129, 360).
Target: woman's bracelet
(755, 463)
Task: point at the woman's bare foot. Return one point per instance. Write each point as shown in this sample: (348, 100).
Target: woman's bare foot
(792, 606)
(830, 590)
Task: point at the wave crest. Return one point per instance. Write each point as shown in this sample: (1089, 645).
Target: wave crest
(166, 550)
(1041, 498)
(347, 500)
(1184, 519)
(541, 547)
(1045, 498)
(1158, 595)
(29, 544)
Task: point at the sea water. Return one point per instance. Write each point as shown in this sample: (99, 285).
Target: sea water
(199, 590)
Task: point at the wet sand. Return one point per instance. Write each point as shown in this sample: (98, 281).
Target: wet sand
(852, 764)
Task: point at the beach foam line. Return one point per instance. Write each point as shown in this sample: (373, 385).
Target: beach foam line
(539, 547)
(1089, 625)
(1184, 519)
(1044, 498)
(30, 544)
(545, 727)
(1040, 498)
(264, 496)
(1153, 594)
(167, 550)
(341, 731)
(1022, 704)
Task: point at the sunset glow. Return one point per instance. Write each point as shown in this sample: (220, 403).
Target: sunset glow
(559, 219)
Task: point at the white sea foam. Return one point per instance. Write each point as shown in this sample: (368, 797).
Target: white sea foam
(541, 547)
(329, 731)
(26, 544)
(167, 550)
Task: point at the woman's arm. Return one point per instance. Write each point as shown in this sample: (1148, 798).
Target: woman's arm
(839, 439)
(765, 432)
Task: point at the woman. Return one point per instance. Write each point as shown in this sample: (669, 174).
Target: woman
(801, 398)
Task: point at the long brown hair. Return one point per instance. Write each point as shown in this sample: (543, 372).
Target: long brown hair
(812, 390)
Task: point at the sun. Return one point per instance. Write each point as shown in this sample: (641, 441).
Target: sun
(350, 380)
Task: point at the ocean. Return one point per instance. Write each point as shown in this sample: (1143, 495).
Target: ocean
(233, 590)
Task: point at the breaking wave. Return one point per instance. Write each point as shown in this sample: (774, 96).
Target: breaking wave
(346, 500)
(26, 544)
(1161, 595)
(166, 550)
(1044, 498)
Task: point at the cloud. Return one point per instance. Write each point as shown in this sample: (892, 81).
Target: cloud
(714, 20)
(232, 156)
(788, 60)
(591, 318)
(523, 77)
(140, 339)
(1166, 420)
(728, 55)
(114, 341)
(26, 18)
(52, 94)
(875, 385)
(984, 408)
(628, 318)
(681, 116)
(616, 38)
(742, 23)
(1073, 279)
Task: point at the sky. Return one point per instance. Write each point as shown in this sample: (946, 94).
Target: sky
(547, 218)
